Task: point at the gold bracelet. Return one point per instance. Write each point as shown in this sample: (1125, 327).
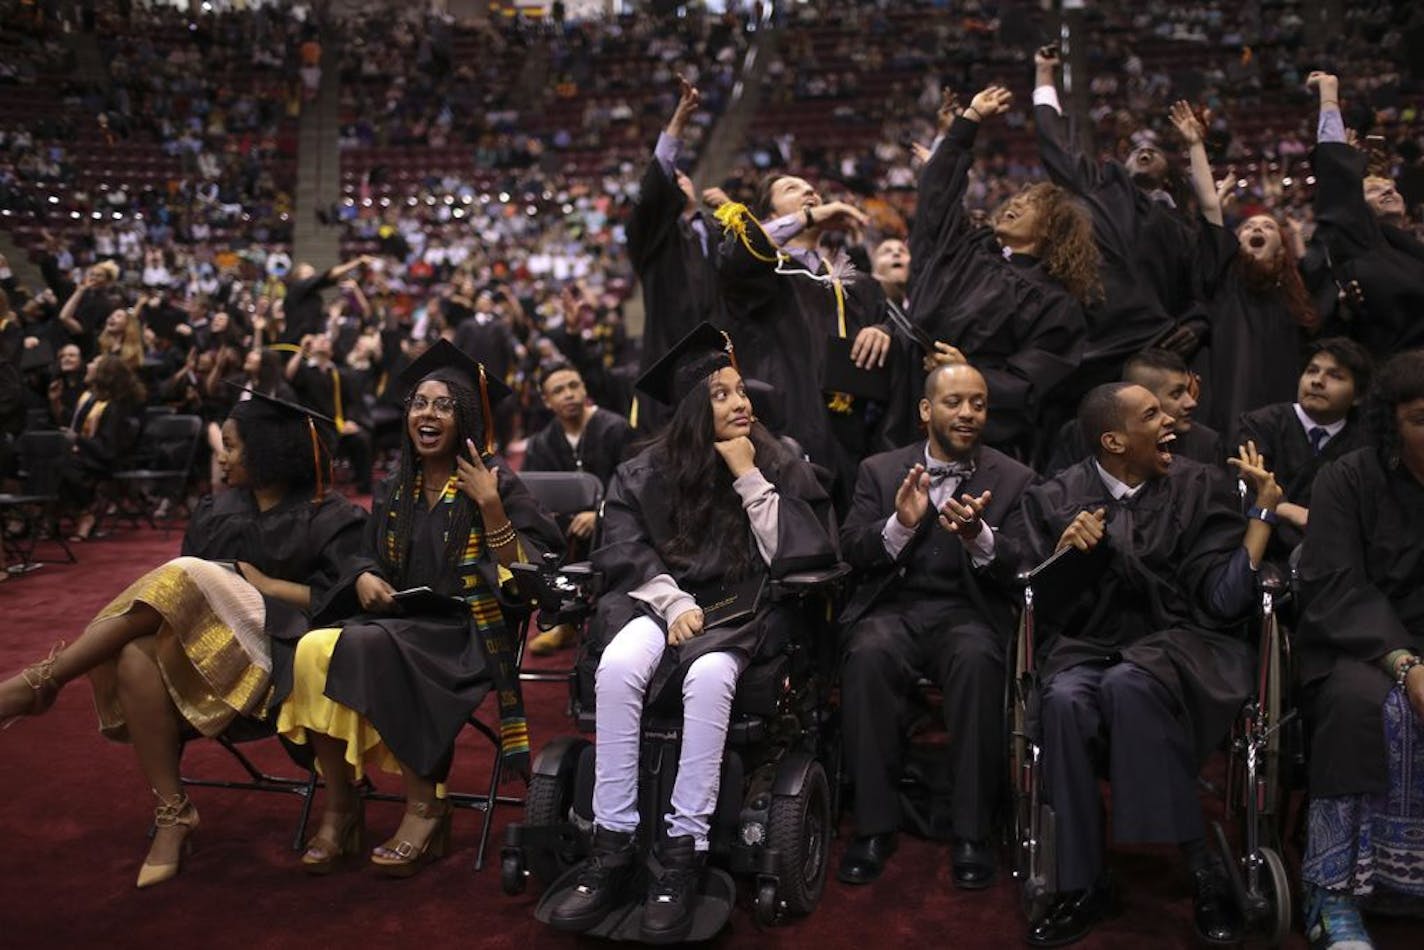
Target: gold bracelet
(504, 534)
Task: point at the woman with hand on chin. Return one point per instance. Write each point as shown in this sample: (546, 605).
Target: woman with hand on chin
(393, 685)
(714, 504)
(198, 645)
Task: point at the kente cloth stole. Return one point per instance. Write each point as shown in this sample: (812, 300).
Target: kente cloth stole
(489, 627)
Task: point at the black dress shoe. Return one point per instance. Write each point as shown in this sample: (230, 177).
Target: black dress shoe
(1217, 918)
(1072, 916)
(601, 884)
(972, 864)
(865, 858)
(667, 913)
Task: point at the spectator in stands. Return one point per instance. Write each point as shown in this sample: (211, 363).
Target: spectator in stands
(1361, 641)
(105, 426)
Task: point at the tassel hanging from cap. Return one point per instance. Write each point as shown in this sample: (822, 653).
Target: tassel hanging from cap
(488, 413)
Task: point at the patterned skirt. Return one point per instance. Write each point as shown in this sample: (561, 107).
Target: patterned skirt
(1372, 846)
(212, 649)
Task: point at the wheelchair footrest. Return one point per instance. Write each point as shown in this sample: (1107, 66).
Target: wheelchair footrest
(714, 908)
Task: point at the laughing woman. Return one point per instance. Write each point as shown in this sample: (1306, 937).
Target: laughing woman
(1258, 309)
(396, 681)
(205, 641)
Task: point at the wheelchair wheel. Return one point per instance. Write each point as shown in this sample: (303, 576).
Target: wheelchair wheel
(511, 873)
(799, 832)
(1278, 893)
(547, 807)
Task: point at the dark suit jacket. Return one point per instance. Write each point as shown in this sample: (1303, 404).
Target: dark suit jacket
(863, 548)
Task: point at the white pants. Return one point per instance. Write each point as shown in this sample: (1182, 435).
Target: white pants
(621, 684)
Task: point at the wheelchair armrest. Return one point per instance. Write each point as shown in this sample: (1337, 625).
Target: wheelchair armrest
(802, 581)
(1270, 578)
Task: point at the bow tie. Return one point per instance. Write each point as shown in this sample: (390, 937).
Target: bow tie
(959, 470)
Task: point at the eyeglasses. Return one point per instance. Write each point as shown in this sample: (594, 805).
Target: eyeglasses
(443, 405)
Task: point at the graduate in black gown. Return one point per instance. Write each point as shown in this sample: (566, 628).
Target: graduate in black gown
(1166, 376)
(1297, 438)
(1361, 650)
(1143, 672)
(103, 431)
(582, 437)
(397, 680)
(1008, 299)
(1258, 310)
(1361, 219)
(1147, 247)
(711, 509)
(334, 392)
(203, 644)
(786, 300)
(672, 247)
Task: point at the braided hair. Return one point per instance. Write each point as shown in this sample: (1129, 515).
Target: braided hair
(469, 424)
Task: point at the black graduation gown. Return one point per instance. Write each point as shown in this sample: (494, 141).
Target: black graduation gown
(1362, 597)
(602, 446)
(637, 527)
(299, 540)
(780, 325)
(316, 390)
(1148, 607)
(302, 306)
(1147, 252)
(1200, 443)
(679, 278)
(1281, 439)
(1387, 262)
(1014, 322)
(1252, 359)
(417, 679)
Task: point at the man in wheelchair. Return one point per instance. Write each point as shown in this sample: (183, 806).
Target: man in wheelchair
(693, 527)
(933, 600)
(1143, 671)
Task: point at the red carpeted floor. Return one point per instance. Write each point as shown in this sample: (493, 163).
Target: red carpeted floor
(73, 815)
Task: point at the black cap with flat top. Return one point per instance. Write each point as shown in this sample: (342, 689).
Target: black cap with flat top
(446, 356)
(691, 360)
(264, 408)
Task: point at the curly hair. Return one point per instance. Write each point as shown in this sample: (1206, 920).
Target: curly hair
(1400, 380)
(1279, 277)
(280, 453)
(114, 381)
(127, 344)
(1067, 247)
(707, 512)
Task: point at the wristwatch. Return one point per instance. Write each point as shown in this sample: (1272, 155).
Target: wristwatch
(1269, 516)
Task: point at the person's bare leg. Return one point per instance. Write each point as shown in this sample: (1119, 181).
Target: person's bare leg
(155, 729)
(341, 799)
(98, 644)
(422, 814)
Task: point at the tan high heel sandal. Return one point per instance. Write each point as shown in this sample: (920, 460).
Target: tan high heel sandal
(323, 854)
(40, 679)
(401, 858)
(176, 813)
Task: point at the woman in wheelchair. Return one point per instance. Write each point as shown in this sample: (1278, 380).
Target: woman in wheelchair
(715, 504)
(423, 637)
(205, 641)
(1361, 639)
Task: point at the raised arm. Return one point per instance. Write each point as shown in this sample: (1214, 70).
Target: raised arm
(1340, 206)
(1189, 127)
(664, 194)
(1068, 167)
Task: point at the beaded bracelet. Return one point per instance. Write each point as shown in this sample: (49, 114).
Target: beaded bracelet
(504, 534)
(1401, 672)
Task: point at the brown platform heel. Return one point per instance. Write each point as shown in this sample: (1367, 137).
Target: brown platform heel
(400, 858)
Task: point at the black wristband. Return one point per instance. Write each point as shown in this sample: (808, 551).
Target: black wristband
(1269, 517)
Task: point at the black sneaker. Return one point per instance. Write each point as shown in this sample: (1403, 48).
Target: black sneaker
(677, 872)
(601, 883)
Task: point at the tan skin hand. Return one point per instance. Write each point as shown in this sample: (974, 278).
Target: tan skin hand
(1252, 466)
(583, 524)
(965, 517)
(993, 101)
(1414, 690)
(912, 498)
(1189, 127)
(1085, 531)
(375, 595)
(687, 625)
(871, 348)
(479, 483)
(944, 355)
(714, 198)
(739, 455)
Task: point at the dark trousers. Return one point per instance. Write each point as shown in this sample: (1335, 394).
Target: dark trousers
(1119, 720)
(886, 651)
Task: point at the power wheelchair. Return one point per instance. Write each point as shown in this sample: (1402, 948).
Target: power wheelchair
(776, 804)
(1262, 742)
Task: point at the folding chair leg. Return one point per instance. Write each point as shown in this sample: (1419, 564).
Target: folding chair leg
(308, 793)
(487, 824)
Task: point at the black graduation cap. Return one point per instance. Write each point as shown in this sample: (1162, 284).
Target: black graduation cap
(691, 360)
(270, 408)
(444, 355)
